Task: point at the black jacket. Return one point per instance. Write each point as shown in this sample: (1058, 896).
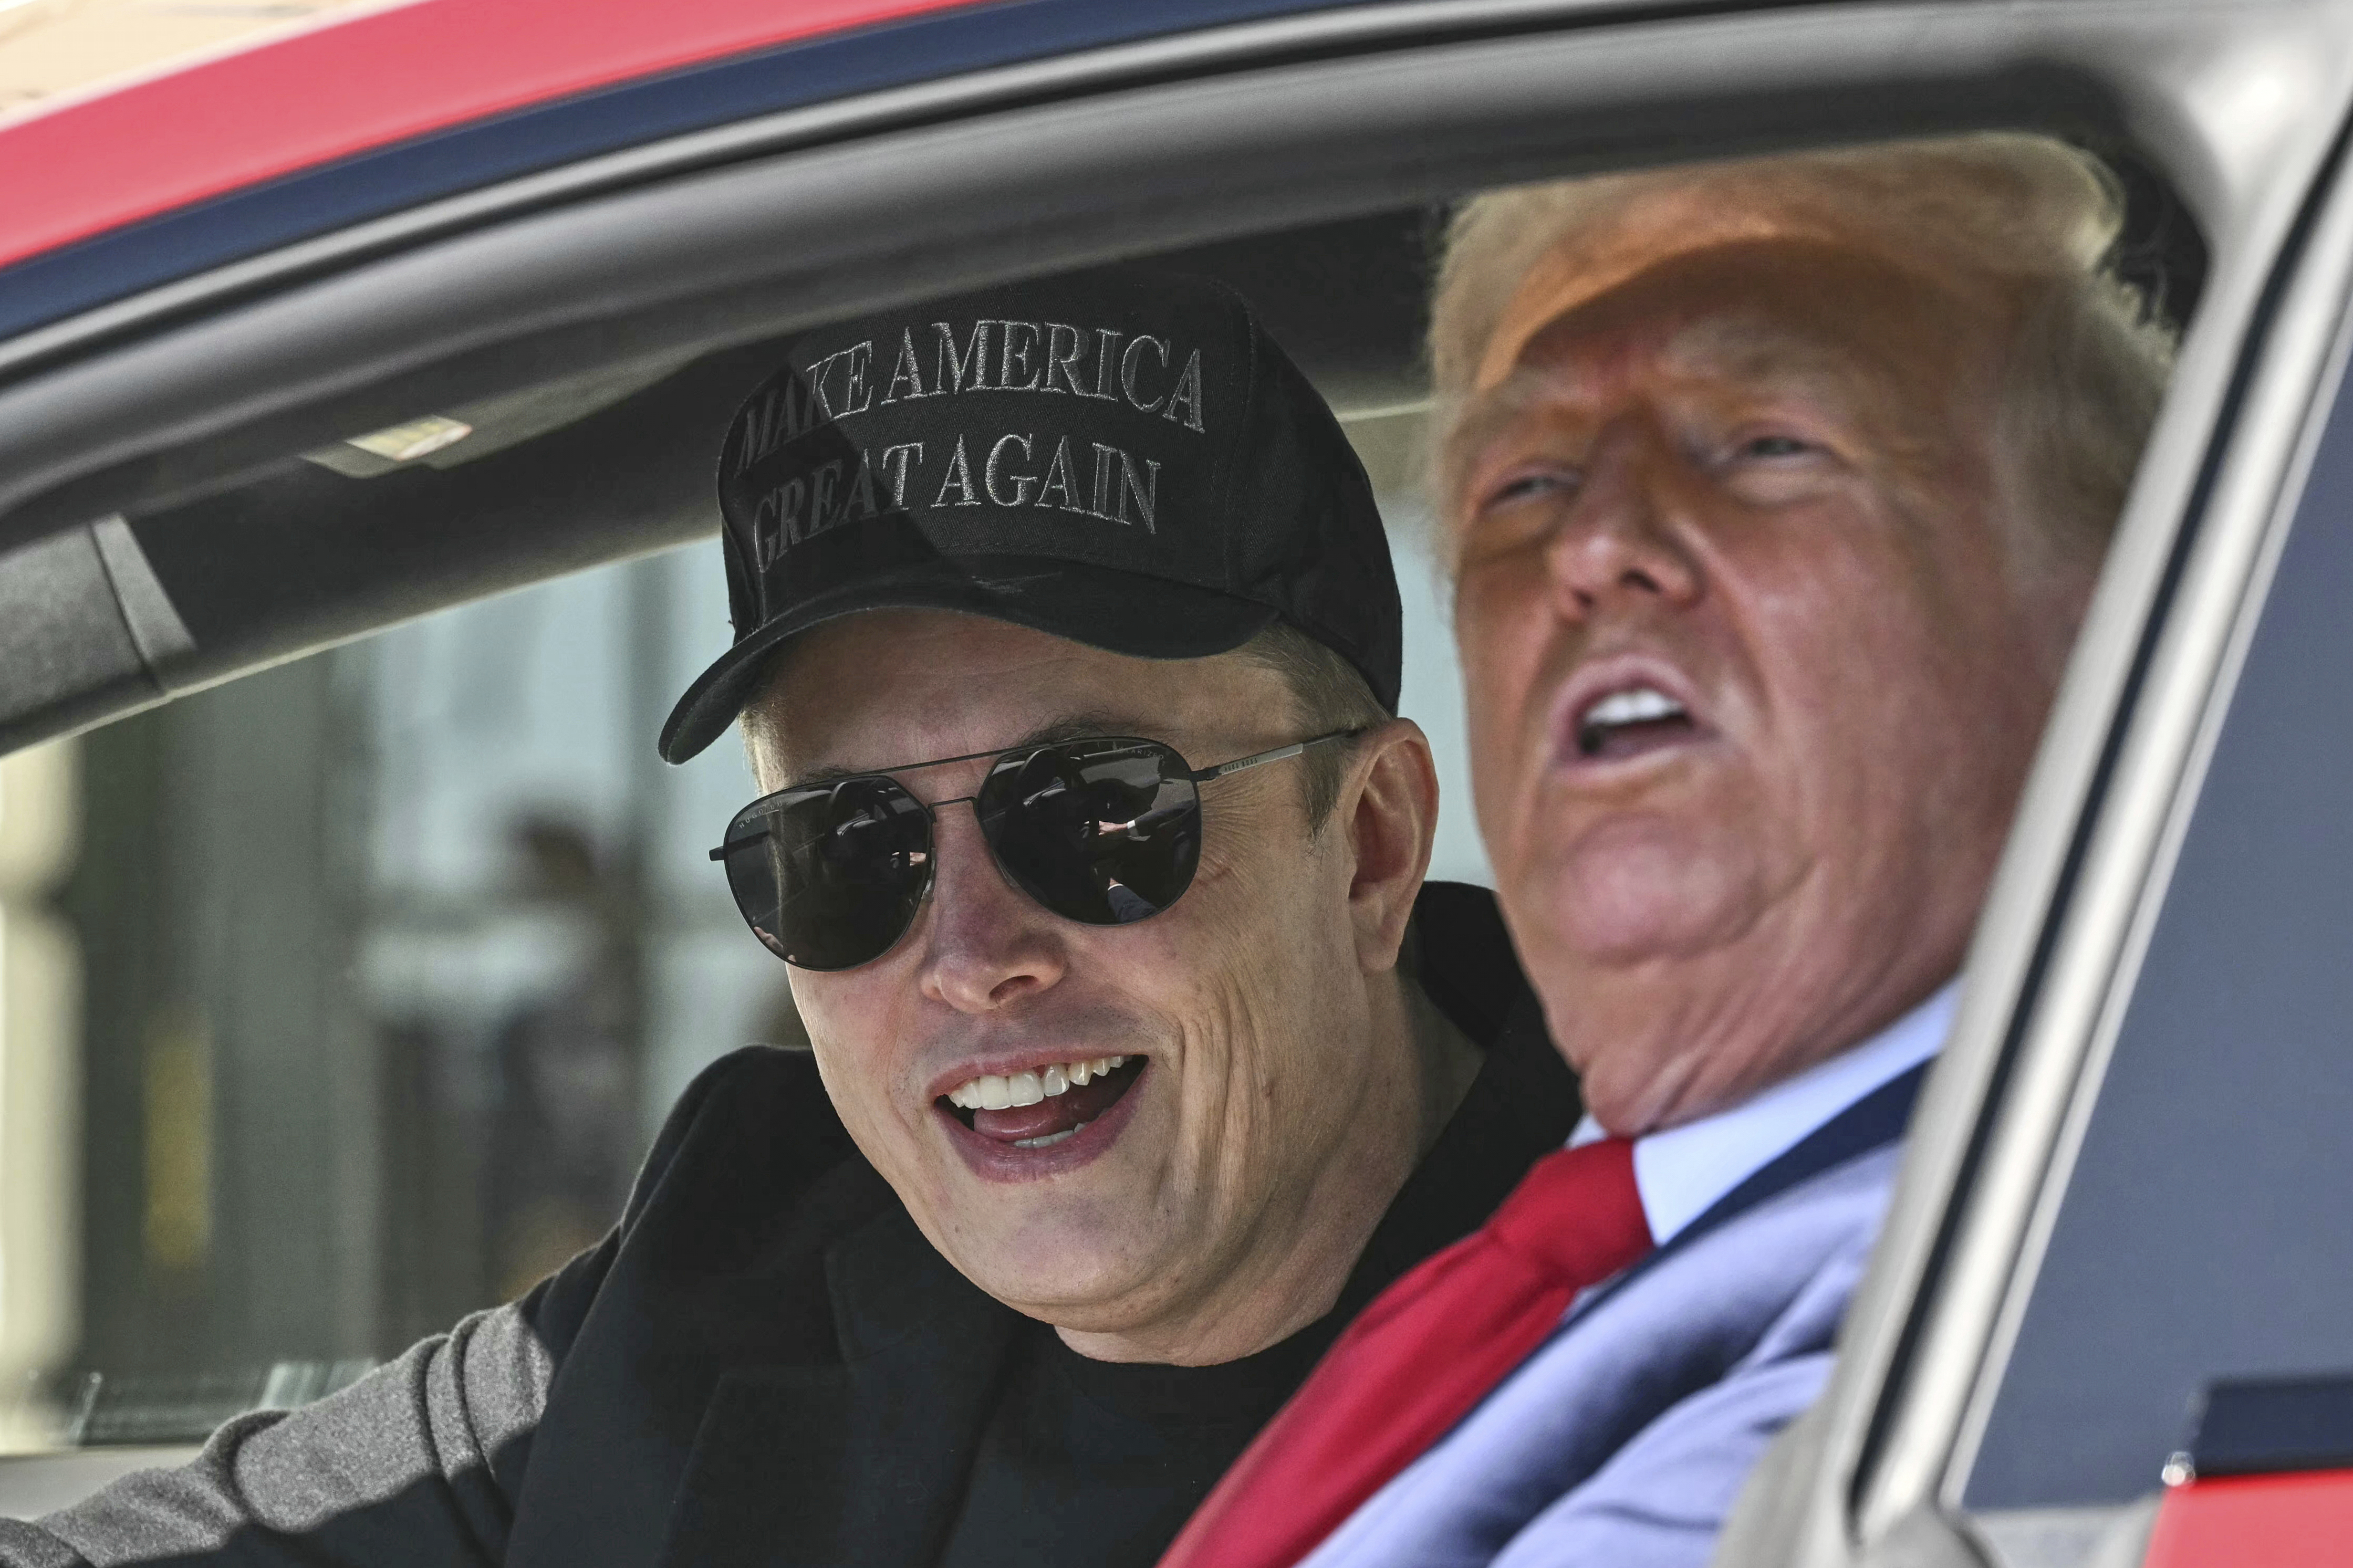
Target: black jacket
(763, 1363)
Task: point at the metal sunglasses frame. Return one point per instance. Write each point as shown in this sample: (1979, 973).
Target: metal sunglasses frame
(1197, 776)
(931, 808)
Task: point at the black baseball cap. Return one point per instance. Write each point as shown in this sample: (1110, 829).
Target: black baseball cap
(1122, 458)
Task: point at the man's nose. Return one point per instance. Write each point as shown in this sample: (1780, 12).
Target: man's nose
(1623, 534)
(986, 944)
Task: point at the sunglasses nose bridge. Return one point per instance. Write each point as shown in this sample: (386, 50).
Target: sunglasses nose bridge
(941, 812)
(983, 942)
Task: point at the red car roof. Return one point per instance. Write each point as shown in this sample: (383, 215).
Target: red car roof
(363, 82)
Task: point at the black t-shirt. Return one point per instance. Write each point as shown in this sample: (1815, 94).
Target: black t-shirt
(1095, 1464)
(1100, 1462)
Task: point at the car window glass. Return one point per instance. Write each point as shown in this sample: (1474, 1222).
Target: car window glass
(2207, 1227)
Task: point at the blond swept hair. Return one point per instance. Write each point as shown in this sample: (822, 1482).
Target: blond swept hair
(2027, 214)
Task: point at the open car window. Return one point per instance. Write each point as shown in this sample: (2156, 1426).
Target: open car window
(370, 973)
(394, 958)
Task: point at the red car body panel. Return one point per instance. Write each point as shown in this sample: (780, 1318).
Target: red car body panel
(169, 141)
(2297, 1520)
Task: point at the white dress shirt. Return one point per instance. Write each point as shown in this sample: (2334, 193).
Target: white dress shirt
(1622, 1441)
(1684, 1171)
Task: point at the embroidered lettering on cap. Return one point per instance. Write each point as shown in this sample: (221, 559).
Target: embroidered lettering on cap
(1022, 482)
(1058, 478)
(895, 460)
(1130, 362)
(993, 356)
(1019, 341)
(1043, 492)
(951, 374)
(1125, 488)
(1066, 349)
(906, 372)
(1107, 346)
(959, 476)
(857, 395)
(784, 412)
(1007, 469)
(1187, 393)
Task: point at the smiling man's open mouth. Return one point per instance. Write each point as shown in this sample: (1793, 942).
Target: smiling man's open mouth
(1630, 722)
(1045, 1106)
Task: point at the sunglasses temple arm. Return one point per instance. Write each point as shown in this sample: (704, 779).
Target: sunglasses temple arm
(1203, 776)
(754, 838)
(1280, 753)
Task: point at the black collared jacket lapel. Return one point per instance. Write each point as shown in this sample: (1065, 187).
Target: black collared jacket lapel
(862, 1462)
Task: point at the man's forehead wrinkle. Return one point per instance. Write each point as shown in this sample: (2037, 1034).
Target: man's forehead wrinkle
(1614, 278)
(1841, 364)
(1609, 345)
(1488, 413)
(1750, 344)
(1568, 363)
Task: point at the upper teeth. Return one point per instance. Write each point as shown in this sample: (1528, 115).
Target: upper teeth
(1639, 706)
(1002, 1091)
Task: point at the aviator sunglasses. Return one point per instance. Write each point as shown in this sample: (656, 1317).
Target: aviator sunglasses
(829, 874)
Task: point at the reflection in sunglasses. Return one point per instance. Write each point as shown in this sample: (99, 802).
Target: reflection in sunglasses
(1102, 831)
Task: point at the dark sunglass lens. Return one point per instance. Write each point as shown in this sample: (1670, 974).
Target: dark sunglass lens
(1105, 832)
(830, 876)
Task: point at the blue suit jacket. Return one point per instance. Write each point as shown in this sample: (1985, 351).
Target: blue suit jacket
(1623, 1440)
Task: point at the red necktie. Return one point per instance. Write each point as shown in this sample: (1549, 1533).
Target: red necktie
(1427, 1350)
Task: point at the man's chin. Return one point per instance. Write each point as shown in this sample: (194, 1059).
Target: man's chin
(1640, 903)
(1071, 1278)
(1040, 1245)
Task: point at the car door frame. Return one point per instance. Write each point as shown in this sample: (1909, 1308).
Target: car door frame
(1353, 110)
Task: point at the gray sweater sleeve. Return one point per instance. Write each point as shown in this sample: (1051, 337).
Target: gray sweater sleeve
(419, 1462)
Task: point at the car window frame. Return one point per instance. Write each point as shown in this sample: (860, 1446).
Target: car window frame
(1335, 130)
(1839, 72)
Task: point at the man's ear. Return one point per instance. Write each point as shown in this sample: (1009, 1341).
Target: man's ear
(1389, 808)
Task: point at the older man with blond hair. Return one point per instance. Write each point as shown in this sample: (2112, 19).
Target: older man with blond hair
(1772, 493)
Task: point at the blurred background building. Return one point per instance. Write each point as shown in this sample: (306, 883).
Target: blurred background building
(40, 1031)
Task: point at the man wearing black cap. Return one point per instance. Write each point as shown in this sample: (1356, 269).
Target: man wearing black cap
(1066, 650)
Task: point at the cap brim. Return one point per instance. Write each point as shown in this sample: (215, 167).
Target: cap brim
(1123, 612)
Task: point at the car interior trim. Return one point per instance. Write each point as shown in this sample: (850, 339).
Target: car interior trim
(694, 260)
(155, 627)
